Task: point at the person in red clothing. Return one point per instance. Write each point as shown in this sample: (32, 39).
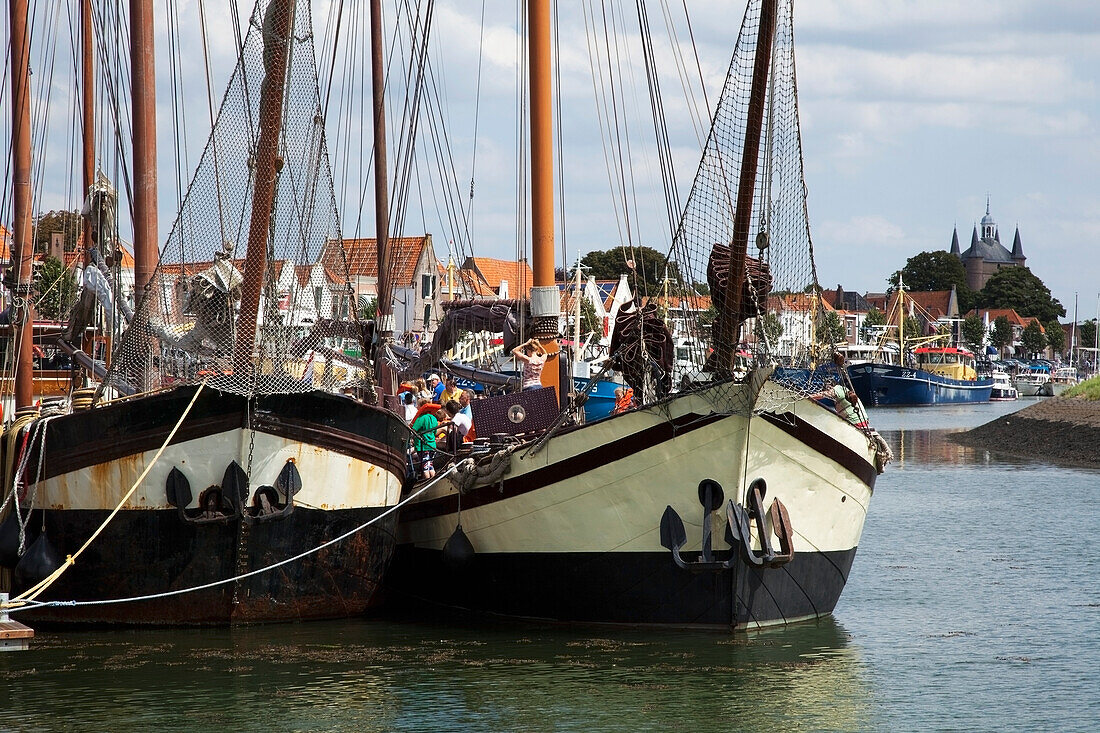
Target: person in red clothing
(624, 400)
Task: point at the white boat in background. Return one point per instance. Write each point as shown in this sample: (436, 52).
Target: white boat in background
(1064, 378)
(1003, 390)
(1032, 383)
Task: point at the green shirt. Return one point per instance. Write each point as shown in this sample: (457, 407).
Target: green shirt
(424, 427)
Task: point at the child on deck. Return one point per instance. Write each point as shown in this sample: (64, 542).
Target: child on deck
(424, 442)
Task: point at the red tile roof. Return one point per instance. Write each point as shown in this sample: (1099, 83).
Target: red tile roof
(362, 258)
(936, 303)
(519, 275)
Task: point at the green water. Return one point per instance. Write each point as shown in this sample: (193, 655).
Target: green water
(973, 605)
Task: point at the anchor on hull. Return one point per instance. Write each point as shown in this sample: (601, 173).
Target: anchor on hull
(738, 535)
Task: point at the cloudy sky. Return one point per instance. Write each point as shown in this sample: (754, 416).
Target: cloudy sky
(913, 111)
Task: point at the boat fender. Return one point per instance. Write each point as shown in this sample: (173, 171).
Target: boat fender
(9, 541)
(458, 552)
(37, 563)
(178, 489)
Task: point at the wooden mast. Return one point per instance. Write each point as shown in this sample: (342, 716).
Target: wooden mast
(384, 320)
(143, 95)
(88, 119)
(22, 254)
(746, 186)
(545, 300)
(277, 25)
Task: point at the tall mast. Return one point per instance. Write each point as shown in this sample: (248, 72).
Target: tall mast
(384, 311)
(22, 321)
(87, 114)
(545, 301)
(88, 119)
(746, 185)
(143, 94)
(277, 24)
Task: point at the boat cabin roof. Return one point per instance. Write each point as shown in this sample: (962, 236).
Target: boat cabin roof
(943, 350)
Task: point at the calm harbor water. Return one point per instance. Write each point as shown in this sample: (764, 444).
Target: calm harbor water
(973, 604)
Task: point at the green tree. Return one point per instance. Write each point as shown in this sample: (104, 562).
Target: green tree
(1033, 339)
(913, 327)
(1086, 334)
(874, 317)
(66, 223)
(590, 323)
(1000, 334)
(56, 289)
(1018, 288)
(1056, 337)
(938, 270)
(769, 328)
(649, 265)
(973, 331)
(830, 330)
(368, 308)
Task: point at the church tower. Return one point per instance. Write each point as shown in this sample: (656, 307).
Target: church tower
(986, 255)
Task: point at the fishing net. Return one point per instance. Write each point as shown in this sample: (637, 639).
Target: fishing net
(783, 320)
(258, 301)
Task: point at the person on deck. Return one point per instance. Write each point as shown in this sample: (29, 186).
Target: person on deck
(421, 390)
(424, 442)
(435, 384)
(465, 409)
(409, 403)
(457, 425)
(451, 391)
(533, 356)
(624, 400)
(848, 405)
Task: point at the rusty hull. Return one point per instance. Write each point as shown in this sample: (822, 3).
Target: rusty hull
(147, 552)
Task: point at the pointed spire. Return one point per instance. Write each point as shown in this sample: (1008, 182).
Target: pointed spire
(974, 240)
(955, 242)
(1017, 246)
(987, 204)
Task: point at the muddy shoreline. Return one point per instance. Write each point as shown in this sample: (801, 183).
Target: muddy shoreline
(1055, 429)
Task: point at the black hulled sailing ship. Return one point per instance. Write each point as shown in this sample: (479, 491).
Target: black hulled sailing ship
(734, 502)
(254, 451)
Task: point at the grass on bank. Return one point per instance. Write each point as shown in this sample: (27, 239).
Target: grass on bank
(1089, 389)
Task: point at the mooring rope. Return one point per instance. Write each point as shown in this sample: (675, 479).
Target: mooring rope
(20, 604)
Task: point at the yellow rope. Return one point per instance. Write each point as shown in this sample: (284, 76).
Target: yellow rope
(33, 592)
(11, 440)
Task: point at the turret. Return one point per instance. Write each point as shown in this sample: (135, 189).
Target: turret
(1018, 247)
(955, 243)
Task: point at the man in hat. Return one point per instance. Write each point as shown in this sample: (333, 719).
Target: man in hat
(436, 386)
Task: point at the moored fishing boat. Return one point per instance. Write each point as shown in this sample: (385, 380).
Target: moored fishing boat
(575, 521)
(941, 375)
(166, 480)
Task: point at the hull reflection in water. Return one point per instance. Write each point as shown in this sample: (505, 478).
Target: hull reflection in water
(385, 675)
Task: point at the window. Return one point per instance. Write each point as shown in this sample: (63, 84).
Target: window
(427, 315)
(427, 286)
(317, 294)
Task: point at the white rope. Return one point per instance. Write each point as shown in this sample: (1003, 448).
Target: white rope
(44, 604)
